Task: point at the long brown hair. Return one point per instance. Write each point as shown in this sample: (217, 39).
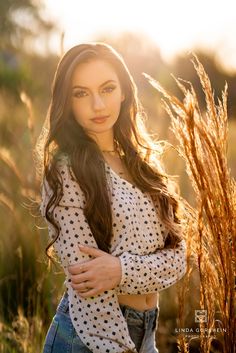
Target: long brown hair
(139, 153)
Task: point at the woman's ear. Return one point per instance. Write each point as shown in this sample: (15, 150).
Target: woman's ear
(122, 97)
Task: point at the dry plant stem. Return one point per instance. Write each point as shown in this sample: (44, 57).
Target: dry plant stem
(31, 127)
(182, 292)
(203, 145)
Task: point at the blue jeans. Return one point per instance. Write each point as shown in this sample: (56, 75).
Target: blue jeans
(62, 337)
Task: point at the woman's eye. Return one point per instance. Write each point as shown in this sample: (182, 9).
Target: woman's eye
(109, 89)
(79, 94)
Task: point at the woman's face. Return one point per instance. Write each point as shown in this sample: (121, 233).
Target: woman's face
(96, 96)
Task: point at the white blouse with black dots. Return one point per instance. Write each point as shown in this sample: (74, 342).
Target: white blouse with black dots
(138, 241)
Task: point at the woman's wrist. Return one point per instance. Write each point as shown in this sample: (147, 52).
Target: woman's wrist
(118, 271)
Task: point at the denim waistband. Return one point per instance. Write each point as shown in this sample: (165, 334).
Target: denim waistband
(127, 311)
(146, 316)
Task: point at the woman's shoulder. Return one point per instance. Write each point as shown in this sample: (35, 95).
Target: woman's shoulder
(72, 193)
(63, 163)
(63, 166)
(62, 158)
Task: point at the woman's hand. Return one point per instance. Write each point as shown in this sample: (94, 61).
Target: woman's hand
(95, 276)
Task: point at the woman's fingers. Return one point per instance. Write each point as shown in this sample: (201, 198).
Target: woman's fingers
(85, 289)
(78, 268)
(89, 293)
(76, 279)
(82, 286)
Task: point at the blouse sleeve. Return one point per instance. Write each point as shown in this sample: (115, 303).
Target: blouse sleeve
(98, 320)
(143, 274)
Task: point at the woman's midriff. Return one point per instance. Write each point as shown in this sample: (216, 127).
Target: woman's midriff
(140, 301)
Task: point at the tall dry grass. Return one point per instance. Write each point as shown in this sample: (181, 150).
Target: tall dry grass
(25, 288)
(202, 143)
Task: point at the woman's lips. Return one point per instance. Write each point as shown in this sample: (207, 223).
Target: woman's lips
(100, 119)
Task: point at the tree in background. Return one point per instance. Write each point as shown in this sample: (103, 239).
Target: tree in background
(21, 20)
(21, 23)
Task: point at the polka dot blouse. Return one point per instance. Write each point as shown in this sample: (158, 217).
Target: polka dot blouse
(138, 241)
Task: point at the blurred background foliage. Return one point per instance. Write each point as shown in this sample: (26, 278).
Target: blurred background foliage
(29, 289)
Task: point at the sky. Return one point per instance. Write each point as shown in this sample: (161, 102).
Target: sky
(174, 25)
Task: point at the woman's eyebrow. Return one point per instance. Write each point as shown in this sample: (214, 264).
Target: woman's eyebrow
(104, 83)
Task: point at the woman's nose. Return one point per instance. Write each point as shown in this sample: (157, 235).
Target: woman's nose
(98, 102)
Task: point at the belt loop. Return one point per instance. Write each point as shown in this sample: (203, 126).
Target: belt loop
(125, 311)
(146, 319)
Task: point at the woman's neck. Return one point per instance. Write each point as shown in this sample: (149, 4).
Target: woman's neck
(105, 140)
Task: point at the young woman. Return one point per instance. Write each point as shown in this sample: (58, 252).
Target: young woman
(112, 216)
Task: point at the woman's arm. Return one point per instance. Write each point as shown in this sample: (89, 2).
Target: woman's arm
(129, 273)
(92, 316)
(143, 274)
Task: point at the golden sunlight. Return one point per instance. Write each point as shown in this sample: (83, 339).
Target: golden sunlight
(174, 25)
